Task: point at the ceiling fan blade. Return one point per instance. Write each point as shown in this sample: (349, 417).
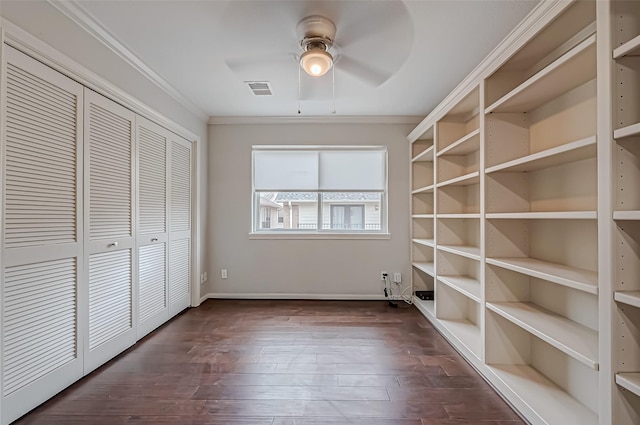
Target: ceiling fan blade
(362, 71)
(373, 22)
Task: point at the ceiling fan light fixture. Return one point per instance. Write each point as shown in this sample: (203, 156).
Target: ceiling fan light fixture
(316, 62)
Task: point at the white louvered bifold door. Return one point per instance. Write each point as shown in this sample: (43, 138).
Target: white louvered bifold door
(153, 309)
(109, 227)
(179, 225)
(41, 233)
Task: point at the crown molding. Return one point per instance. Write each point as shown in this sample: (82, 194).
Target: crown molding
(90, 24)
(18, 38)
(332, 119)
(534, 22)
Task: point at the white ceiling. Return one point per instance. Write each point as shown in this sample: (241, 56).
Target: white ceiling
(412, 53)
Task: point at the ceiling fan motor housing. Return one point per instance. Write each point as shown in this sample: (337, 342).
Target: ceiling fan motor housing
(316, 32)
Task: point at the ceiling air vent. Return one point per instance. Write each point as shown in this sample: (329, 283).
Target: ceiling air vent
(260, 88)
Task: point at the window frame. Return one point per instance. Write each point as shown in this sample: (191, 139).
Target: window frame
(319, 232)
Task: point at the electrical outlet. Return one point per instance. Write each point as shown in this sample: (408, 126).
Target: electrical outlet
(384, 276)
(201, 278)
(397, 277)
(223, 273)
(205, 276)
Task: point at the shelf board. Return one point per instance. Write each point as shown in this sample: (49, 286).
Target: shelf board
(570, 337)
(569, 71)
(425, 242)
(465, 332)
(546, 215)
(427, 307)
(426, 267)
(628, 131)
(463, 146)
(631, 298)
(569, 152)
(463, 215)
(571, 277)
(466, 180)
(626, 215)
(422, 216)
(630, 48)
(629, 381)
(424, 156)
(552, 404)
(426, 189)
(466, 285)
(464, 251)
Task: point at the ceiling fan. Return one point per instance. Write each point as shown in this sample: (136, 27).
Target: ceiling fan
(369, 41)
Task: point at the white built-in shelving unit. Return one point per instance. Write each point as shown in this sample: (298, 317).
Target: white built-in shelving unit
(625, 75)
(422, 217)
(535, 214)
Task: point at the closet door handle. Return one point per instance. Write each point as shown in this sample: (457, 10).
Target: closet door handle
(113, 245)
(154, 239)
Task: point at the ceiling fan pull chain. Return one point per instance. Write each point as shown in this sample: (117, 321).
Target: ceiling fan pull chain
(298, 90)
(333, 76)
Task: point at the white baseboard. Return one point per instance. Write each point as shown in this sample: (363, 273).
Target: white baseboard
(288, 296)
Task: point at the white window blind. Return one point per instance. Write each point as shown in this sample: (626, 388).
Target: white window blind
(285, 170)
(319, 170)
(352, 170)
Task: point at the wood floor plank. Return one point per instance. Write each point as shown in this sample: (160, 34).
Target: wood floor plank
(275, 362)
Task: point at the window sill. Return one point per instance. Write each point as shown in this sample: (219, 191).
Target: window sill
(323, 235)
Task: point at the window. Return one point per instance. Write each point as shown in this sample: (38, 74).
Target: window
(319, 189)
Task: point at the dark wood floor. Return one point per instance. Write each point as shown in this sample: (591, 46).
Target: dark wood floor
(284, 363)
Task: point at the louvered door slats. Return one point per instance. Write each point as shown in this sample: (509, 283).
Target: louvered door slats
(152, 280)
(55, 187)
(39, 300)
(28, 150)
(179, 270)
(152, 178)
(110, 174)
(44, 117)
(180, 187)
(109, 273)
(21, 130)
(42, 87)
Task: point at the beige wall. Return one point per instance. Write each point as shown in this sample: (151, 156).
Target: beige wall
(307, 268)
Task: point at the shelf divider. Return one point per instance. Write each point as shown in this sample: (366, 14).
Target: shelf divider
(466, 285)
(569, 152)
(570, 337)
(466, 144)
(571, 277)
(424, 156)
(629, 381)
(465, 180)
(425, 242)
(471, 252)
(462, 215)
(571, 70)
(549, 402)
(426, 189)
(628, 131)
(546, 215)
(626, 215)
(631, 298)
(630, 48)
(422, 216)
(426, 267)
(465, 332)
